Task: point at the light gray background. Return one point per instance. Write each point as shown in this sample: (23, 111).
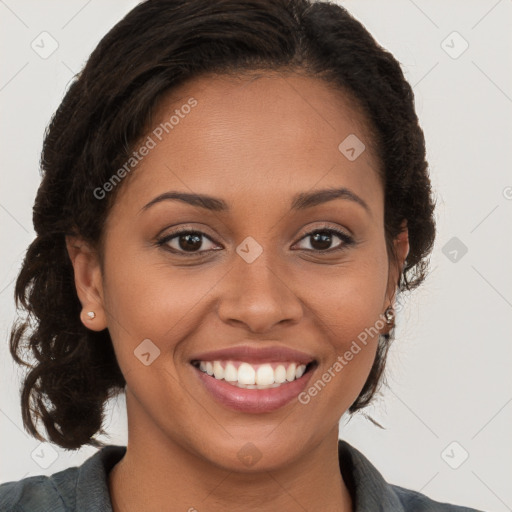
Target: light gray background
(449, 368)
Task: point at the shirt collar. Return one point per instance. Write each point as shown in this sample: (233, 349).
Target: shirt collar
(92, 492)
(369, 491)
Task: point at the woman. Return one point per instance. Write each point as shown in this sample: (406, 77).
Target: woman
(234, 193)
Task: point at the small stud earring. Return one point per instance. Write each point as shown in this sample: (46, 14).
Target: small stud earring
(91, 315)
(389, 314)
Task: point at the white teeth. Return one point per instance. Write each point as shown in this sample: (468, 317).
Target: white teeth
(218, 371)
(255, 386)
(265, 375)
(290, 372)
(299, 372)
(280, 374)
(246, 374)
(230, 373)
(259, 376)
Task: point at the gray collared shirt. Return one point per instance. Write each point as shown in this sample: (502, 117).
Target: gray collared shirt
(85, 488)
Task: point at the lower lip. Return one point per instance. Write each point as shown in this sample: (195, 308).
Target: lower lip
(253, 400)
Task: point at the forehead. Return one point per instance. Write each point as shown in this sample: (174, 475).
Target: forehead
(262, 136)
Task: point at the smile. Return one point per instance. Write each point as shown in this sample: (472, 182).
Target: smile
(253, 387)
(247, 375)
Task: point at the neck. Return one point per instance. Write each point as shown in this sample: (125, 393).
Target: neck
(168, 473)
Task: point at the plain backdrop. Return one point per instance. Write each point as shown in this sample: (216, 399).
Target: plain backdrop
(447, 410)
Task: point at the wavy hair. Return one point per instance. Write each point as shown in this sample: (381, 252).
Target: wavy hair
(157, 46)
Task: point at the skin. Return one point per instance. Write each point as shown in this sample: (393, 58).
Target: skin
(254, 143)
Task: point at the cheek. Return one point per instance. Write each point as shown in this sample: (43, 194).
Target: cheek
(152, 301)
(349, 299)
(347, 304)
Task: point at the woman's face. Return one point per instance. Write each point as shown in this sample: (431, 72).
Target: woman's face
(265, 272)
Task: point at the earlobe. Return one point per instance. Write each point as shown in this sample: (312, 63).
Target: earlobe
(92, 320)
(88, 282)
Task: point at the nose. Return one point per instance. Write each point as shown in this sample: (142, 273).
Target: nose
(259, 296)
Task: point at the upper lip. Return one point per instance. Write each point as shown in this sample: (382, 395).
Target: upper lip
(270, 354)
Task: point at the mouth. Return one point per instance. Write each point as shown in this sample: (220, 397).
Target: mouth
(254, 380)
(246, 375)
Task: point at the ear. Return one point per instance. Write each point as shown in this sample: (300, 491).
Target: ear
(396, 265)
(88, 282)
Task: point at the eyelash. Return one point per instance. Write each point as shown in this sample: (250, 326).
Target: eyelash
(346, 239)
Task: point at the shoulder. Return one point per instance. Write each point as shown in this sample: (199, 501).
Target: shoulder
(38, 493)
(83, 488)
(417, 502)
(370, 491)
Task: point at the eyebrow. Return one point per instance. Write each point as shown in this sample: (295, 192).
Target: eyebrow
(300, 201)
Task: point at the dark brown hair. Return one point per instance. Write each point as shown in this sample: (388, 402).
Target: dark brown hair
(107, 108)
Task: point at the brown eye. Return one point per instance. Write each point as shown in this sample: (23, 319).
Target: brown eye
(189, 242)
(321, 240)
(186, 241)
